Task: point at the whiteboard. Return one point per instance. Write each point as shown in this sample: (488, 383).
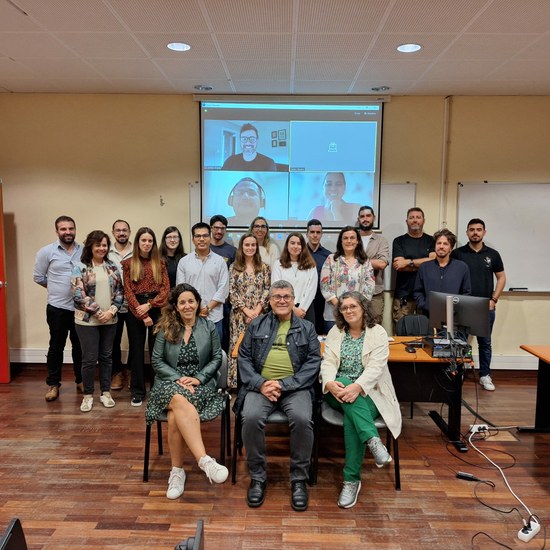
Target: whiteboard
(517, 223)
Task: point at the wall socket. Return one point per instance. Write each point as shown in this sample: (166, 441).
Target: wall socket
(475, 428)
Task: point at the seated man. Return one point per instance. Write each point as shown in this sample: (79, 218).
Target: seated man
(279, 361)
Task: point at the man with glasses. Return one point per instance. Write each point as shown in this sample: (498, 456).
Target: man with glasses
(208, 273)
(249, 159)
(121, 248)
(247, 198)
(279, 361)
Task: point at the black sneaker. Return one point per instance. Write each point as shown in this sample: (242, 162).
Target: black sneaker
(137, 401)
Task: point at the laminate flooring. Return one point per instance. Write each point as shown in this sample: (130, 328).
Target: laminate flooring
(75, 480)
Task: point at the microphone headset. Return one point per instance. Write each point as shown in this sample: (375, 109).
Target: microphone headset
(261, 191)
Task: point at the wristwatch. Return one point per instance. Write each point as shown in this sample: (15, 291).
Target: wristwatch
(411, 264)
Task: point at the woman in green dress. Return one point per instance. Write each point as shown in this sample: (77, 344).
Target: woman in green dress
(186, 358)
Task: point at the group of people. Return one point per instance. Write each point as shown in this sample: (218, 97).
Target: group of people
(274, 304)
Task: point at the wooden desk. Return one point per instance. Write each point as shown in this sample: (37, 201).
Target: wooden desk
(542, 411)
(419, 377)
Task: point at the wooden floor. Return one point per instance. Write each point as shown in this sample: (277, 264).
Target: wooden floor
(75, 480)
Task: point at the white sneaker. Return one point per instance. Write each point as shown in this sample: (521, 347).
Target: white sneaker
(349, 494)
(379, 452)
(87, 403)
(487, 383)
(107, 400)
(176, 483)
(214, 472)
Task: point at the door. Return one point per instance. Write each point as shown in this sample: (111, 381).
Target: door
(4, 353)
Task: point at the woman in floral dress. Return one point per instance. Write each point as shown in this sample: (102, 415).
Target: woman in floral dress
(346, 270)
(186, 358)
(249, 282)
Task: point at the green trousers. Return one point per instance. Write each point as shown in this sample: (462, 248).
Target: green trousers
(359, 427)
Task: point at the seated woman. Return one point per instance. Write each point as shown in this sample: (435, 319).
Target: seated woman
(356, 380)
(186, 358)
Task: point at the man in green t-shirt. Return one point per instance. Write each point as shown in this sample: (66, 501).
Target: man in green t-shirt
(279, 361)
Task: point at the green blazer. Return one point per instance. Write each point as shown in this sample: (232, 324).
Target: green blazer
(165, 354)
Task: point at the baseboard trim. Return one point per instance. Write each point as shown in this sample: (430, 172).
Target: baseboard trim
(37, 355)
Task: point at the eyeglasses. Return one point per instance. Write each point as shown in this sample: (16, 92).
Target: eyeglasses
(249, 139)
(218, 227)
(345, 309)
(202, 236)
(259, 226)
(172, 238)
(282, 298)
(121, 231)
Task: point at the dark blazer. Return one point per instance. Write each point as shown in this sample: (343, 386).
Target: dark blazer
(165, 354)
(303, 349)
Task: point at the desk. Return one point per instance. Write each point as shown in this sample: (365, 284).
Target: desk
(542, 411)
(420, 377)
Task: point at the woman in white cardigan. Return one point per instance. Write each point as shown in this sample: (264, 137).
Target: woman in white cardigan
(356, 380)
(298, 267)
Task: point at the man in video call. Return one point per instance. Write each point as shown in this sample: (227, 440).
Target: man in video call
(246, 198)
(249, 159)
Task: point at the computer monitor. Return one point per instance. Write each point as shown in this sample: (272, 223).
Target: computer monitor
(469, 314)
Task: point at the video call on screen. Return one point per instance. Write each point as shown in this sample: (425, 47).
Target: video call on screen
(290, 162)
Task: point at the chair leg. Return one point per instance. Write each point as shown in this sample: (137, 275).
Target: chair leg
(412, 407)
(159, 436)
(222, 435)
(237, 447)
(396, 464)
(227, 426)
(146, 453)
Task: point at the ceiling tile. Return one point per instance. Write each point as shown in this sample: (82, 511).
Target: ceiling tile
(87, 44)
(32, 44)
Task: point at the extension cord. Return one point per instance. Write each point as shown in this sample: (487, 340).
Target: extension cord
(528, 532)
(475, 428)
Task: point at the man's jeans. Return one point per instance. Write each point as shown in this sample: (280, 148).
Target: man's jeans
(485, 347)
(298, 407)
(61, 324)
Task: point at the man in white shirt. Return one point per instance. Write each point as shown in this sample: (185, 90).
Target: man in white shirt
(208, 273)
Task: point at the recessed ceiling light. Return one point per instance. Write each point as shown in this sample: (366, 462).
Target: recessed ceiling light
(409, 48)
(178, 46)
(203, 88)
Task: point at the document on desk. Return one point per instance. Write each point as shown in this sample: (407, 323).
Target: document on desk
(391, 339)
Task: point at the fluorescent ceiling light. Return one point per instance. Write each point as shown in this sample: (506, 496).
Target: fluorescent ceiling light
(178, 46)
(409, 48)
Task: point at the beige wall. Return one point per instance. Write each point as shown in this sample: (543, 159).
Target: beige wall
(101, 157)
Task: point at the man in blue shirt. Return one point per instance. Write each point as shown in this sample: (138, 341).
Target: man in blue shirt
(52, 270)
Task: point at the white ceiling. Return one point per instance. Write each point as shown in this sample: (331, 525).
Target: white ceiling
(470, 47)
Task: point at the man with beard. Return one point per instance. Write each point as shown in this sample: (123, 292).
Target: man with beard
(483, 263)
(377, 249)
(120, 250)
(52, 270)
(246, 198)
(249, 159)
(410, 251)
(443, 274)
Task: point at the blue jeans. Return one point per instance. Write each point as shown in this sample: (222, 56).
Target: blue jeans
(298, 407)
(485, 347)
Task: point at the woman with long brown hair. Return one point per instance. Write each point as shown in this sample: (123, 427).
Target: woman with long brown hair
(249, 282)
(297, 266)
(146, 287)
(268, 249)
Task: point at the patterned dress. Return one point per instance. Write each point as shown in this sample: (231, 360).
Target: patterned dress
(338, 277)
(207, 401)
(245, 290)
